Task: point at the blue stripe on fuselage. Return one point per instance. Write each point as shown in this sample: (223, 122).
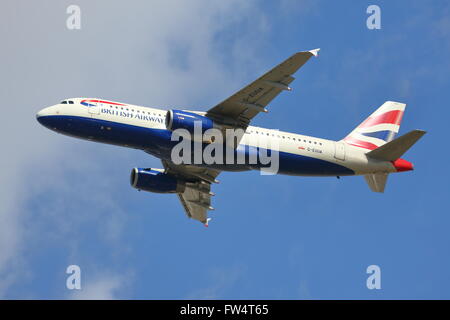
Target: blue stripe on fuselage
(158, 143)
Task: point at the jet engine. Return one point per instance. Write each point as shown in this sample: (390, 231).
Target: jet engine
(155, 180)
(178, 119)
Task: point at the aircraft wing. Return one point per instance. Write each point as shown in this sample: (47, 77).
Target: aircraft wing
(196, 198)
(240, 108)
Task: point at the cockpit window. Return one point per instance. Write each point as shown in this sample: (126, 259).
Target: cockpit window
(70, 102)
(63, 102)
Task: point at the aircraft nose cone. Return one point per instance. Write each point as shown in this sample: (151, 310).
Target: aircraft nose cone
(43, 112)
(43, 116)
(39, 114)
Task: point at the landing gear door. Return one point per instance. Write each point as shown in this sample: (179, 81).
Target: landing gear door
(95, 108)
(339, 151)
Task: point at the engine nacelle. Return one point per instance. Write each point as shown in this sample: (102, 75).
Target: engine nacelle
(178, 119)
(155, 180)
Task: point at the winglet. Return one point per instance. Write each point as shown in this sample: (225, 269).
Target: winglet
(207, 222)
(315, 52)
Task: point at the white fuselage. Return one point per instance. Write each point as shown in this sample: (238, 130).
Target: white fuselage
(144, 128)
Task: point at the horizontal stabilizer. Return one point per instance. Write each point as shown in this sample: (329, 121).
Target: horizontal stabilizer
(376, 181)
(394, 149)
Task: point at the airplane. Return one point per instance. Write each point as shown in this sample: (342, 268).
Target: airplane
(370, 150)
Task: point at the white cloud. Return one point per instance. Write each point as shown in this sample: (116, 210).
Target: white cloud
(104, 287)
(222, 279)
(166, 53)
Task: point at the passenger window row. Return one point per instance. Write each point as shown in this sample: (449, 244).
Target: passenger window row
(287, 137)
(138, 111)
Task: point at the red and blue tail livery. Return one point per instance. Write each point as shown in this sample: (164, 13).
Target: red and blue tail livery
(380, 127)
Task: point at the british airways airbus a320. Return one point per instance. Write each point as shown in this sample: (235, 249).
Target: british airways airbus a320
(369, 150)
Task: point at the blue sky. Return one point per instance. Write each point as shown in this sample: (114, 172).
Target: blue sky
(65, 201)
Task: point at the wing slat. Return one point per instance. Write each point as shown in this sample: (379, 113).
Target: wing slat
(261, 91)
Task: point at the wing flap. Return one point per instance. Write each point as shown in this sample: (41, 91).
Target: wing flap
(195, 204)
(196, 198)
(252, 99)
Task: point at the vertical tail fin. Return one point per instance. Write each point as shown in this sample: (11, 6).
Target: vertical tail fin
(380, 127)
